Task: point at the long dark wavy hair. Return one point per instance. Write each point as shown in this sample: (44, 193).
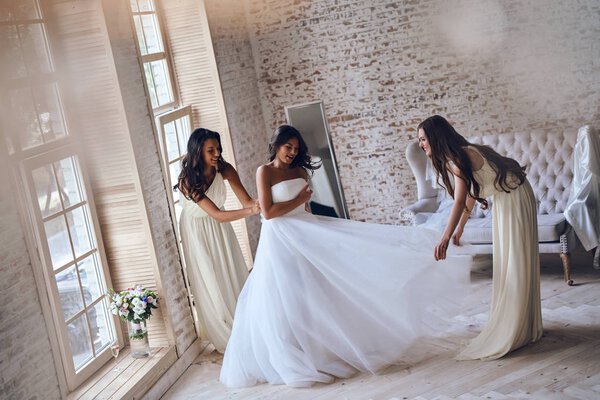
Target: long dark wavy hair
(447, 145)
(191, 181)
(281, 136)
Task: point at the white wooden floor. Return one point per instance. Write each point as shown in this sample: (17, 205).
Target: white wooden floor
(564, 364)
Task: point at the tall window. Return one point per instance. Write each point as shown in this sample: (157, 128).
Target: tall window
(154, 57)
(175, 129)
(64, 232)
(173, 120)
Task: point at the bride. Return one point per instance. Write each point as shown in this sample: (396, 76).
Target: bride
(329, 297)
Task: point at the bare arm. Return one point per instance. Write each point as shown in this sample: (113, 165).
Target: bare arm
(225, 216)
(233, 178)
(268, 208)
(460, 198)
(464, 218)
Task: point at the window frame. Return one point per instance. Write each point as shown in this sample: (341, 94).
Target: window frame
(157, 56)
(21, 162)
(162, 120)
(74, 377)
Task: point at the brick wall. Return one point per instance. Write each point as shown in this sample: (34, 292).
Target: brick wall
(27, 368)
(382, 66)
(233, 53)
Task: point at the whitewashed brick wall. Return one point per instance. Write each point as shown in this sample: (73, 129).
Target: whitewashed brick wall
(27, 368)
(233, 53)
(382, 66)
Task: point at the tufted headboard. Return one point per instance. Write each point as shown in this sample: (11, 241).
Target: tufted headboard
(549, 161)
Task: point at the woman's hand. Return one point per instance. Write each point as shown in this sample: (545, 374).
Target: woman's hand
(305, 194)
(440, 249)
(255, 207)
(457, 235)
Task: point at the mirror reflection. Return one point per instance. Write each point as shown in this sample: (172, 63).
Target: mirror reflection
(328, 196)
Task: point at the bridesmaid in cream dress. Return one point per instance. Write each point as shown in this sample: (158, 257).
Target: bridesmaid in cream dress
(215, 265)
(515, 317)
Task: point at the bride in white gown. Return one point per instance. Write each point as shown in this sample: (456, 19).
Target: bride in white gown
(329, 297)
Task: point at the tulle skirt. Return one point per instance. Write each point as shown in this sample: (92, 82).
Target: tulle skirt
(329, 297)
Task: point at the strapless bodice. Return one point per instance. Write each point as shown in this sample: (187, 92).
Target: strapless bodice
(288, 190)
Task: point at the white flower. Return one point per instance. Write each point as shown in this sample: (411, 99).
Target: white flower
(136, 301)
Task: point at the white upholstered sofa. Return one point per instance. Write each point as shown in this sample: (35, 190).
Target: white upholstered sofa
(549, 161)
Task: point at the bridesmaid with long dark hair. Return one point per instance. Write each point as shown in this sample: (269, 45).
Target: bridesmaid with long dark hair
(470, 173)
(215, 264)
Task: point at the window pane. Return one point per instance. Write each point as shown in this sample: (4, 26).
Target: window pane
(69, 292)
(33, 45)
(12, 65)
(89, 273)
(66, 174)
(46, 191)
(140, 34)
(171, 141)
(174, 170)
(58, 241)
(100, 325)
(134, 6)
(49, 112)
(23, 122)
(26, 9)
(161, 82)
(79, 340)
(80, 230)
(151, 33)
(146, 5)
(183, 131)
(150, 83)
(178, 209)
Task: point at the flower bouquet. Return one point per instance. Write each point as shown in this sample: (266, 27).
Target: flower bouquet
(135, 305)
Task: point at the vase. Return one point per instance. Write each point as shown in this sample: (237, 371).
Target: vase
(138, 339)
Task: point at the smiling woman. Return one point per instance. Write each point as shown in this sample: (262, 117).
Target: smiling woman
(214, 261)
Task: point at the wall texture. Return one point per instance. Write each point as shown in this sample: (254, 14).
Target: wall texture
(382, 66)
(27, 369)
(237, 73)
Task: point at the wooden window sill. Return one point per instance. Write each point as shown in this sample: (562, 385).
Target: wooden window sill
(126, 377)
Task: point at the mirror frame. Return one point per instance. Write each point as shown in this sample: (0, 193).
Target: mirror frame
(343, 206)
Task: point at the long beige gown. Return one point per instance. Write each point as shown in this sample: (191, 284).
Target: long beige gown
(215, 265)
(515, 316)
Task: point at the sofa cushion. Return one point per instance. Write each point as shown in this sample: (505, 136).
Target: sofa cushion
(478, 230)
(550, 227)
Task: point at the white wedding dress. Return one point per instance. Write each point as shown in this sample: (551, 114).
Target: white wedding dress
(329, 297)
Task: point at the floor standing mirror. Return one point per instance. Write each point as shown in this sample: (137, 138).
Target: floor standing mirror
(328, 196)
